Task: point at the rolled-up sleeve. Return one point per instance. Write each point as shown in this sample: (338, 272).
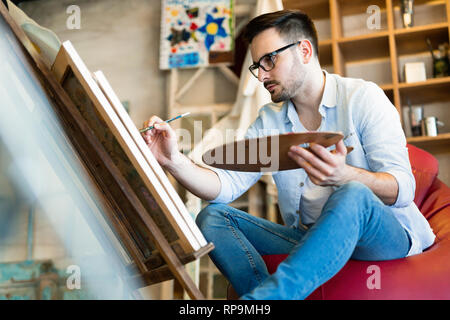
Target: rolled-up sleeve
(384, 142)
(235, 183)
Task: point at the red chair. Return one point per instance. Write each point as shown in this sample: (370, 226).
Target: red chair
(422, 276)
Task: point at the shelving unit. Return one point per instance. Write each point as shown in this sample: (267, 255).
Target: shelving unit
(350, 46)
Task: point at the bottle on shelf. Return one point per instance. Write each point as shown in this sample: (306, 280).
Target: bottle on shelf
(407, 13)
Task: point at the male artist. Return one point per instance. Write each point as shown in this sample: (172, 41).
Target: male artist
(335, 206)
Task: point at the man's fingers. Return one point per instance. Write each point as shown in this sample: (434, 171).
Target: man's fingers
(150, 122)
(164, 128)
(322, 153)
(341, 148)
(313, 159)
(309, 169)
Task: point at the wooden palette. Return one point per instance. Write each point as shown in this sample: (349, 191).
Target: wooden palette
(266, 154)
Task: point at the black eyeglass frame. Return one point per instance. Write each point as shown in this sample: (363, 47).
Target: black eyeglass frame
(272, 54)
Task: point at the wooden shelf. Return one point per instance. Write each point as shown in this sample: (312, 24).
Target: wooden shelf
(426, 83)
(421, 29)
(366, 47)
(325, 43)
(442, 139)
(316, 9)
(413, 40)
(423, 92)
(355, 7)
(387, 87)
(363, 37)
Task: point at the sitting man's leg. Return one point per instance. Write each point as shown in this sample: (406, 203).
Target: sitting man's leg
(240, 239)
(354, 224)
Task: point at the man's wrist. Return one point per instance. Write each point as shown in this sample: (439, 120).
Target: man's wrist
(176, 162)
(349, 175)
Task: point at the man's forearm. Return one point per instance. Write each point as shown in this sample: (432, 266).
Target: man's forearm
(202, 182)
(384, 185)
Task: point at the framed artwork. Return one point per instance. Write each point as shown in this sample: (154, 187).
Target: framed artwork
(196, 33)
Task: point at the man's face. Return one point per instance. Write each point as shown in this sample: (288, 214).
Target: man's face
(285, 78)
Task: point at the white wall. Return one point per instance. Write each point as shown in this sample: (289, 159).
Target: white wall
(121, 38)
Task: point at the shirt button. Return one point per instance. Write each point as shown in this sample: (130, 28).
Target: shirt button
(301, 184)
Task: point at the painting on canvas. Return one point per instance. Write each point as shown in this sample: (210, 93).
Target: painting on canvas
(196, 33)
(77, 81)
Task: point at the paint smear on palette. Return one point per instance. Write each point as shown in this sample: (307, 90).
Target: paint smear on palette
(192, 30)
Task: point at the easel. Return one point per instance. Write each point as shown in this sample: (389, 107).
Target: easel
(112, 189)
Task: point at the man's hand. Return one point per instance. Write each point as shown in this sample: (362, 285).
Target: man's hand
(161, 140)
(323, 167)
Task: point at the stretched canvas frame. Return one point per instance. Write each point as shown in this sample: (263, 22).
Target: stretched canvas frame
(77, 81)
(140, 143)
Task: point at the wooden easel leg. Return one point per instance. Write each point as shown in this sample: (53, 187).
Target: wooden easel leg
(172, 260)
(181, 276)
(178, 291)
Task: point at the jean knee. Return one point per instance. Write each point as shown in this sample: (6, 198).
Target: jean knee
(349, 194)
(352, 190)
(354, 186)
(209, 215)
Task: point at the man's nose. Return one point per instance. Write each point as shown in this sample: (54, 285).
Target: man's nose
(262, 75)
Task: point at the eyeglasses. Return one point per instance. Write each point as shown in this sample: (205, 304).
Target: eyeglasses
(267, 61)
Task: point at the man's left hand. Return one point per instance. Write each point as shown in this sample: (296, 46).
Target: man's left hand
(324, 167)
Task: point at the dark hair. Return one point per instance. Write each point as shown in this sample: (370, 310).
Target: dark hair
(291, 24)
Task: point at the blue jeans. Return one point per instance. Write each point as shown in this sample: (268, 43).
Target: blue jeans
(354, 224)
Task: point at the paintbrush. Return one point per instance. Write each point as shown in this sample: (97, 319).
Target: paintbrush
(167, 121)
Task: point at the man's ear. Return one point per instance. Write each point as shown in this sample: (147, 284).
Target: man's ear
(306, 50)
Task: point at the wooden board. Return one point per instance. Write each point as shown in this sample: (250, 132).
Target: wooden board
(268, 153)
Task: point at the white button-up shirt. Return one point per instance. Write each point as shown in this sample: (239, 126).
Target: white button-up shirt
(360, 110)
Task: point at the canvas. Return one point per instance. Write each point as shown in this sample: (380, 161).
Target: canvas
(77, 81)
(140, 143)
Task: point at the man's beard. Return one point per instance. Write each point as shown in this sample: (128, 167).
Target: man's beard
(281, 96)
(285, 93)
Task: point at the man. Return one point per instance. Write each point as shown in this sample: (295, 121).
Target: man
(335, 206)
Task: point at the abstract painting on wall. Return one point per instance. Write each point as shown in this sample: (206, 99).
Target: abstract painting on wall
(196, 33)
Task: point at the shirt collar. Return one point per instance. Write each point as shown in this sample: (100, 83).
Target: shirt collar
(328, 99)
(290, 112)
(329, 93)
